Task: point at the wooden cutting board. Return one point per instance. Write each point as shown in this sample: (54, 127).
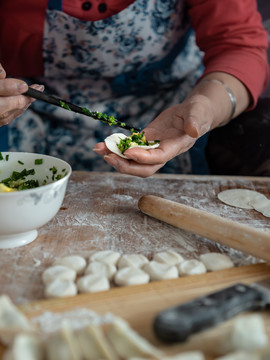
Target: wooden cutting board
(139, 304)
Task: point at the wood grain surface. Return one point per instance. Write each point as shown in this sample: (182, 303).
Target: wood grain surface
(100, 211)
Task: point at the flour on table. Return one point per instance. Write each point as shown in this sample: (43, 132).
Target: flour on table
(59, 288)
(240, 198)
(159, 271)
(169, 257)
(131, 276)
(93, 283)
(60, 272)
(216, 261)
(134, 260)
(75, 262)
(113, 140)
(191, 267)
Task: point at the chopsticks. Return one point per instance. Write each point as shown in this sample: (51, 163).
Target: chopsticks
(110, 120)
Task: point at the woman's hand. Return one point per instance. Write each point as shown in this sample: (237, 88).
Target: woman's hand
(177, 128)
(12, 102)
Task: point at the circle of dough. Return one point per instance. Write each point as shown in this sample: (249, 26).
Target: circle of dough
(132, 260)
(131, 276)
(60, 272)
(114, 139)
(216, 261)
(93, 283)
(101, 268)
(240, 198)
(75, 262)
(169, 257)
(60, 288)
(108, 256)
(159, 271)
(261, 205)
(191, 267)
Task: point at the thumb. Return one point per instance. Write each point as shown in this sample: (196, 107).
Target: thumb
(2, 72)
(191, 126)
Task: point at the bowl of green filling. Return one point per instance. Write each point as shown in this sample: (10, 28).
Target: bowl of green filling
(32, 189)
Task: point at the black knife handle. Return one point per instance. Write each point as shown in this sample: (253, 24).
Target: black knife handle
(178, 323)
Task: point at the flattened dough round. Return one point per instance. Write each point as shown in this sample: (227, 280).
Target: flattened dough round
(132, 260)
(191, 267)
(240, 198)
(114, 139)
(75, 262)
(262, 206)
(131, 276)
(60, 272)
(216, 261)
(93, 283)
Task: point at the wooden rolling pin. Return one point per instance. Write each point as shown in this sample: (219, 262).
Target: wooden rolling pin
(231, 233)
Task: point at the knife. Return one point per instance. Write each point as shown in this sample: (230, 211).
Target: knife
(176, 324)
(51, 99)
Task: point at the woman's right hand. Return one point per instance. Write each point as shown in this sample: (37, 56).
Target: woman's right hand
(12, 102)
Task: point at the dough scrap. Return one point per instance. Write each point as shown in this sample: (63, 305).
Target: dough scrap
(107, 256)
(216, 261)
(128, 343)
(74, 262)
(131, 276)
(191, 267)
(240, 198)
(101, 268)
(59, 272)
(93, 283)
(60, 288)
(159, 271)
(114, 139)
(169, 257)
(132, 260)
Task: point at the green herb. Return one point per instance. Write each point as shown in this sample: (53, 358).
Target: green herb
(38, 161)
(1, 156)
(64, 105)
(135, 138)
(20, 162)
(7, 157)
(17, 180)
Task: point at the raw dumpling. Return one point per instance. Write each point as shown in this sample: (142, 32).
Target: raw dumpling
(113, 140)
(60, 288)
(131, 276)
(169, 257)
(74, 262)
(59, 272)
(92, 283)
(191, 267)
(108, 256)
(26, 347)
(216, 261)
(159, 271)
(101, 268)
(132, 260)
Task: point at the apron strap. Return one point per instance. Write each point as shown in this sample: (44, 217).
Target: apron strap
(55, 5)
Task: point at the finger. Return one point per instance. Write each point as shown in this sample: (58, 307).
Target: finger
(13, 103)
(9, 116)
(101, 148)
(130, 167)
(9, 87)
(2, 72)
(37, 87)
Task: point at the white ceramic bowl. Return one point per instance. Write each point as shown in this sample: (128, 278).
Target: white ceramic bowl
(23, 212)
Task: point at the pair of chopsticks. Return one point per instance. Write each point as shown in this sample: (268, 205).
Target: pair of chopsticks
(110, 120)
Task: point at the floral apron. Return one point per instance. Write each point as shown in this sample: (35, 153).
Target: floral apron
(132, 65)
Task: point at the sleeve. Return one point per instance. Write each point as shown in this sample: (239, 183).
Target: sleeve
(233, 39)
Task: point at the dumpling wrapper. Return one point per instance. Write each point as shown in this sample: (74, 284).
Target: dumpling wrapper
(241, 198)
(114, 139)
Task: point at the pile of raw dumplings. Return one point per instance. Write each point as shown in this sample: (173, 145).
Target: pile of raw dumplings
(74, 274)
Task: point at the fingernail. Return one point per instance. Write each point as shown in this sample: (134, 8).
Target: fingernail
(40, 87)
(22, 87)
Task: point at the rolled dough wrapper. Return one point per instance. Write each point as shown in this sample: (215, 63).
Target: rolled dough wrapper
(261, 205)
(216, 261)
(74, 262)
(128, 343)
(59, 272)
(131, 276)
(240, 198)
(114, 139)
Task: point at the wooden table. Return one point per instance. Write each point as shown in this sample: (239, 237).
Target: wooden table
(100, 211)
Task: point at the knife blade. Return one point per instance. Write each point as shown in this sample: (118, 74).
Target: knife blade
(176, 324)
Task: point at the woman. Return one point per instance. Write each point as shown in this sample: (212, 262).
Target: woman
(136, 60)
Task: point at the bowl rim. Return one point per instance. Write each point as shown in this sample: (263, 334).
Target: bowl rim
(41, 187)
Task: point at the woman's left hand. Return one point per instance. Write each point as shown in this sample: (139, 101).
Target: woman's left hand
(177, 128)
